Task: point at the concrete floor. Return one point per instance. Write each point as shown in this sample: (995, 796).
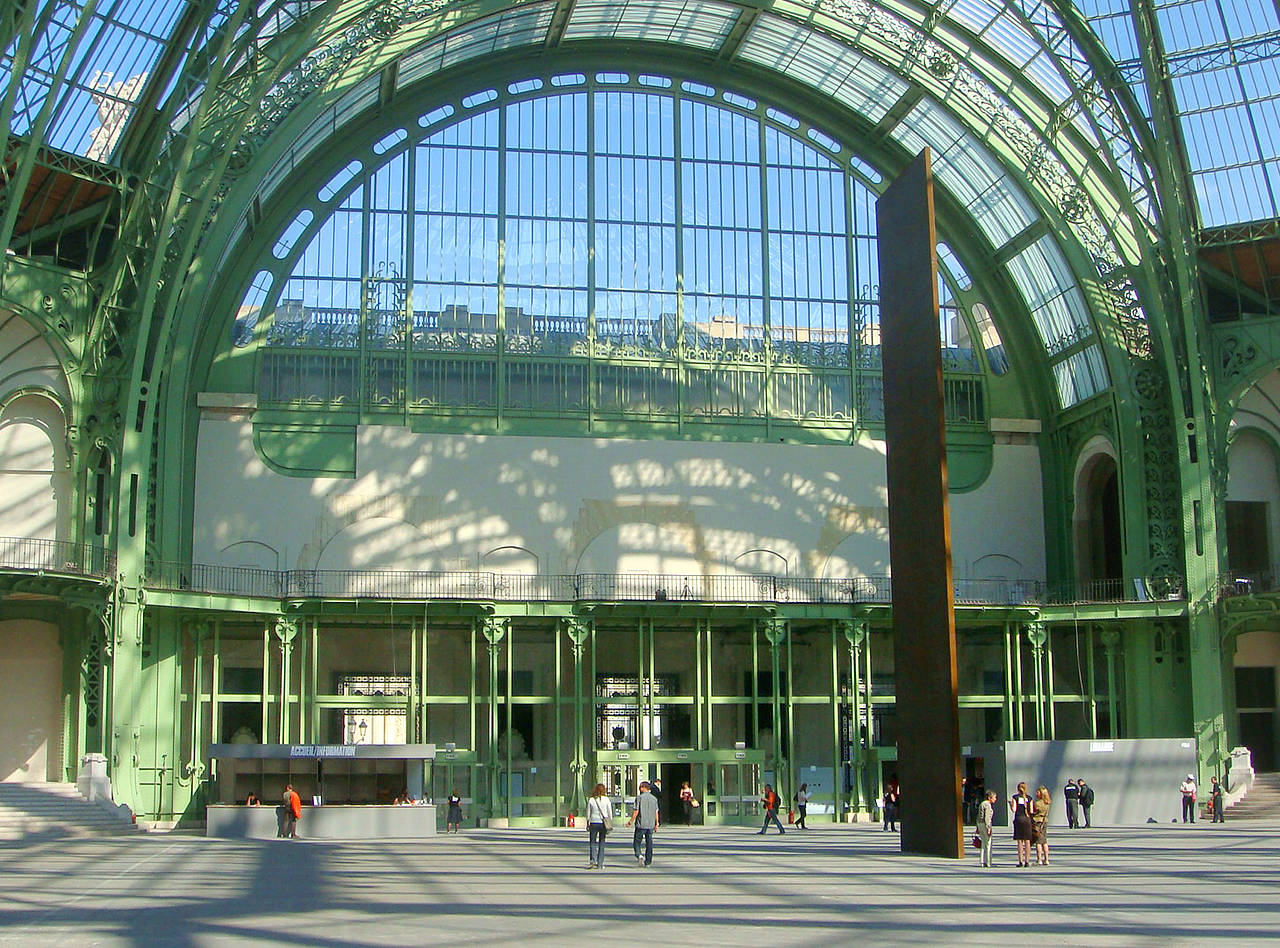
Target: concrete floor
(708, 886)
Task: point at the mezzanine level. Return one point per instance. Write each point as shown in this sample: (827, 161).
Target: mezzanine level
(32, 555)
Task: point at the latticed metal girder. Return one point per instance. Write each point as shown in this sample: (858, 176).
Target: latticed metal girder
(259, 69)
(1053, 139)
(1209, 58)
(1072, 175)
(17, 179)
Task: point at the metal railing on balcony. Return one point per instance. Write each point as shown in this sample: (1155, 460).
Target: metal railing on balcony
(633, 587)
(55, 556)
(1247, 582)
(19, 553)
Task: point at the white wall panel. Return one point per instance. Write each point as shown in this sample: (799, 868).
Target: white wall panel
(30, 702)
(433, 502)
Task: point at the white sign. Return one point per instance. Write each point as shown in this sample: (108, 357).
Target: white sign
(322, 750)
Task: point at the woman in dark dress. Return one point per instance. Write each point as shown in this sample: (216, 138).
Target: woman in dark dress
(454, 819)
(1020, 804)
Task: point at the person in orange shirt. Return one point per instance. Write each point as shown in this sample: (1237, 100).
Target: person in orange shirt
(292, 807)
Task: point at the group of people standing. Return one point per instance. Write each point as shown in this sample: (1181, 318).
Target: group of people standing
(646, 816)
(1030, 825)
(1217, 800)
(1031, 819)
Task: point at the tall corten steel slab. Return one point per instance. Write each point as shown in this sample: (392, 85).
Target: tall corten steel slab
(924, 627)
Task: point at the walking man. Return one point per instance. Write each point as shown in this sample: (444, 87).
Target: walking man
(1071, 793)
(770, 800)
(1086, 800)
(645, 817)
(1188, 788)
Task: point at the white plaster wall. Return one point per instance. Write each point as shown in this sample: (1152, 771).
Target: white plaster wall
(429, 502)
(1258, 648)
(35, 484)
(30, 701)
(1252, 476)
(27, 360)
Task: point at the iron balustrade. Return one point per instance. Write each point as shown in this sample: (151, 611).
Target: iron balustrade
(1247, 582)
(60, 556)
(55, 556)
(630, 587)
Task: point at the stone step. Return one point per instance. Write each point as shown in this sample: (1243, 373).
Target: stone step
(30, 808)
(1262, 802)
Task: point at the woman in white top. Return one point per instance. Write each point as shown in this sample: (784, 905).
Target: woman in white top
(599, 822)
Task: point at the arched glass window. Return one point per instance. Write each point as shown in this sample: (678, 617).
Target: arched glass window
(611, 247)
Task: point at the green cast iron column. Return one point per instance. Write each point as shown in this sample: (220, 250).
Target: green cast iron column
(557, 727)
(286, 630)
(577, 631)
(71, 642)
(775, 631)
(1186, 364)
(1110, 639)
(839, 799)
(126, 707)
(858, 639)
(494, 631)
(193, 770)
(1093, 686)
(1036, 638)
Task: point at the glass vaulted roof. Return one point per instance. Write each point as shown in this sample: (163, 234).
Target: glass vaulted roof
(74, 71)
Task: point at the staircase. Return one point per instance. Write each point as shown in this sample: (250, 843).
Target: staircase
(54, 809)
(1262, 802)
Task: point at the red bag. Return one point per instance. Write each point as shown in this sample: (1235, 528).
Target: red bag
(977, 841)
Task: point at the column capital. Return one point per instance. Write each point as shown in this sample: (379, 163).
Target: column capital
(285, 630)
(855, 631)
(577, 629)
(495, 629)
(1037, 634)
(775, 631)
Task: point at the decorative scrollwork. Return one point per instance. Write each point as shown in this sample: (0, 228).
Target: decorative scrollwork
(1235, 356)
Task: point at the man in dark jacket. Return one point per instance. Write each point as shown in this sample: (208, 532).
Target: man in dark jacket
(1071, 793)
(1086, 800)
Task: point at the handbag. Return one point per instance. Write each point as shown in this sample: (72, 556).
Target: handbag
(606, 818)
(695, 802)
(977, 841)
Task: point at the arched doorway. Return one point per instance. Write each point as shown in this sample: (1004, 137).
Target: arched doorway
(1098, 533)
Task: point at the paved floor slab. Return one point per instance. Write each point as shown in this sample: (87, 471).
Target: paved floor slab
(708, 886)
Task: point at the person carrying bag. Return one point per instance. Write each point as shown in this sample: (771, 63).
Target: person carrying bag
(599, 825)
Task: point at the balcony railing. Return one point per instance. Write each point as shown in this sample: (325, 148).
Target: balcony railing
(631, 587)
(1246, 582)
(55, 556)
(84, 559)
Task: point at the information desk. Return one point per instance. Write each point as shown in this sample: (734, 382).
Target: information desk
(347, 790)
(324, 822)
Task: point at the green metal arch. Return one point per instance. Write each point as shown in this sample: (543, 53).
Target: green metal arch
(251, 255)
(232, 111)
